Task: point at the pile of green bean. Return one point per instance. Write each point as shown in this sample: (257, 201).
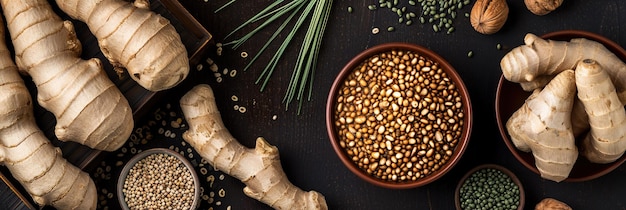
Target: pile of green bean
(489, 188)
(439, 13)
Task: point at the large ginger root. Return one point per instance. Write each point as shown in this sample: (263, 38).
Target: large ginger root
(535, 63)
(539, 58)
(88, 107)
(542, 125)
(132, 36)
(259, 168)
(29, 155)
(606, 142)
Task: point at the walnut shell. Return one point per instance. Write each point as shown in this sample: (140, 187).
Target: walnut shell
(552, 204)
(488, 16)
(542, 7)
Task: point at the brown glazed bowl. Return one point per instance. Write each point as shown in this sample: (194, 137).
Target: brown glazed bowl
(463, 139)
(457, 191)
(510, 97)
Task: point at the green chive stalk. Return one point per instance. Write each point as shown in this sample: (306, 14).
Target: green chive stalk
(304, 69)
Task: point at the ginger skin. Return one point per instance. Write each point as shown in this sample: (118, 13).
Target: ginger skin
(135, 38)
(538, 60)
(30, 157)
(542, 126)
(606, 141)
(88, 107)
(258, 168)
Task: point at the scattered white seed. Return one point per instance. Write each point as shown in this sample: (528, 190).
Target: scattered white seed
(219, 51)
(234, 98)
(217, 74)
(242, 109)
(233, 73)
(199, 67)
(210, 61)
(218, 80)
(222, 176)
(225, 71)
(214, 67)
(219, 44)
(274, 117)
(236, 107)
(244, 54)
(375, 30)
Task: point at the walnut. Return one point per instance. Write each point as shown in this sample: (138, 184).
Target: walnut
(551, 204)
(488, 16)
(542, 7)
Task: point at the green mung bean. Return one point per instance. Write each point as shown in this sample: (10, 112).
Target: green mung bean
(489, 188)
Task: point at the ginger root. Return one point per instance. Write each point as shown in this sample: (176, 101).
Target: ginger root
(259, 168)
(542, 126)
(30, 157)
(542, 7)
(88, 107)
(133, 37)
(606, 142)
(538, 60)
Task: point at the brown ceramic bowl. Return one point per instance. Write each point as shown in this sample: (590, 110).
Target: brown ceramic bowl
(463, 139)
(510, 97)
(457, 191)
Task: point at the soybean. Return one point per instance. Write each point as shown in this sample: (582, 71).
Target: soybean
(392, 116)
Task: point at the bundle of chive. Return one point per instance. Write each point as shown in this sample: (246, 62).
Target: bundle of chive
(439, 13)
(303, 72)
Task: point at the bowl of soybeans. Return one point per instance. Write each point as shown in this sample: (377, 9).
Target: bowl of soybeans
(399, 116)
(158, 178)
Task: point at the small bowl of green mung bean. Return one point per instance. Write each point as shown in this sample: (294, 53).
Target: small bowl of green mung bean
(158, 178)
(398, 116)
(489, 186)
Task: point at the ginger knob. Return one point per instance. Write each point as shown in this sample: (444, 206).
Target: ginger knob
(552, 204)
(488, 16)
(542, 7)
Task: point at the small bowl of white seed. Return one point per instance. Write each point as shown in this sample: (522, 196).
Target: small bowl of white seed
(158, 178)
(398, 116)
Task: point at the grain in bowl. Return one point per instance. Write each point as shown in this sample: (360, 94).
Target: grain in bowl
(158, 179)
(398, 117)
